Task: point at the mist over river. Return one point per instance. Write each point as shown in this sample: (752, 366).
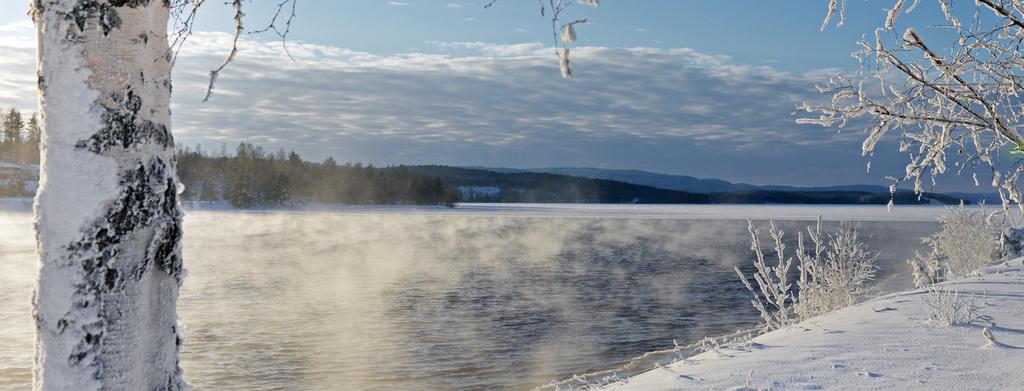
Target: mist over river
(472, 298)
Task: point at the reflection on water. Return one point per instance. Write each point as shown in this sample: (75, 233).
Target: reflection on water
(325, 301)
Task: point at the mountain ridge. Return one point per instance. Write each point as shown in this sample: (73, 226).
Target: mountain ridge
(687, 183)
(515, 186)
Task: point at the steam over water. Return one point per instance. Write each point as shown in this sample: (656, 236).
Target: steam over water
(414, 299)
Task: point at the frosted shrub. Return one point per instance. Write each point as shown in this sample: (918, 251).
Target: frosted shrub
(773, 300)
(966, 242)
(947, 307)
(831, 276)
(837, 272)
(1013, 238)
(927, 269)
(740, 340)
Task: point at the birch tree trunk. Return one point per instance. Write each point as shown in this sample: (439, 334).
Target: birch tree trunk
(107, 217)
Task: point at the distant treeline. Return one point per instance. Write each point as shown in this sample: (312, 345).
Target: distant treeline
(254, 177)
(19, 138)
(488, 186)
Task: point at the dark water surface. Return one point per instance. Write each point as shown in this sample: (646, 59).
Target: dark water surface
(408, 301)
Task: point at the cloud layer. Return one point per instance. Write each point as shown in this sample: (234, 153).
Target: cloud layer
(475, 103)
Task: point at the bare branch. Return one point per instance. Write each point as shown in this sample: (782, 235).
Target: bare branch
(281, 32)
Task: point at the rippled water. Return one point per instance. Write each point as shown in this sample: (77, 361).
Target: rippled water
(413, 301)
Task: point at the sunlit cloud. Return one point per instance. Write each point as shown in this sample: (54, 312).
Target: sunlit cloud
(480, 103)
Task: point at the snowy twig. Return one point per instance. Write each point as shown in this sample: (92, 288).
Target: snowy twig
(958, 106)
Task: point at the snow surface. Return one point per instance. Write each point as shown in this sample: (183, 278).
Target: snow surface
(882, 344)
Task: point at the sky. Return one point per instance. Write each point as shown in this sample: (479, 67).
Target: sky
(701, 88)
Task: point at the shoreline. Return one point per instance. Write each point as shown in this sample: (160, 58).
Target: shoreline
(883, 343)
(778, 212)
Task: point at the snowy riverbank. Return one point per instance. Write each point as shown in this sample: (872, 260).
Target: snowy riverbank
(883, 344)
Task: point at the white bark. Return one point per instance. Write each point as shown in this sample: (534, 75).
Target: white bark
(107, 216)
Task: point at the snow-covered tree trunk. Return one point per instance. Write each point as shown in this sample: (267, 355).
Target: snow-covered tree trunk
(107, 214)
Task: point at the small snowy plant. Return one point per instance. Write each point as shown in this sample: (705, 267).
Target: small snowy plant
(773, 299)
(927, 269)
(831, 276)
(947, 307)
(966, 242)
(837, 272)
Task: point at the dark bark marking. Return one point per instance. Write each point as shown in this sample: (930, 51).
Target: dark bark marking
(85, 10)
(123, 128)
(148, 199)
(131, 3)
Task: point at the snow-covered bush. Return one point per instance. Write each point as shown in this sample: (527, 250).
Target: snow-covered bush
(774, 299)
(740, 340)
(927, 269)
(947, 307)
(835, 274)
(1013, 239)
(831, 276)
(966, 242)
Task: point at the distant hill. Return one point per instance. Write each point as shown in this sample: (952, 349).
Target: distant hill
(977, 198)
(637, 177)
(513, 185)
(698, 185)
(255, 178)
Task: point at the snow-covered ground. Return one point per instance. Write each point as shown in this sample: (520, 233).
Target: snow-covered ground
(882, 344)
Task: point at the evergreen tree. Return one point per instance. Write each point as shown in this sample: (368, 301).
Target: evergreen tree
(33, 139)
(12, 129)
(208, 191)
(253, 177)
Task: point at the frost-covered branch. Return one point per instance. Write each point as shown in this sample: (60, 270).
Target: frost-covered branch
(832, 276)
(563, 34)
(773, 297)
(183, 16)
(836, 274)
(967, 241)
(948, 307)
(239, 27)
(184, 13)
(957, 108)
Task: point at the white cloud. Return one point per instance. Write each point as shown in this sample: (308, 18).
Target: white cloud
(478, 103)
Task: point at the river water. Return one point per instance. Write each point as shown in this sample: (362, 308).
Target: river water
(473, 298)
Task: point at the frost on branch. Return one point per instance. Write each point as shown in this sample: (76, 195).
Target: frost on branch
(563, 33)
(946, 306)
(968, 241)
(835, 274)
(831, 276)
(955, 102)
(183, 14)
(774, 299)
